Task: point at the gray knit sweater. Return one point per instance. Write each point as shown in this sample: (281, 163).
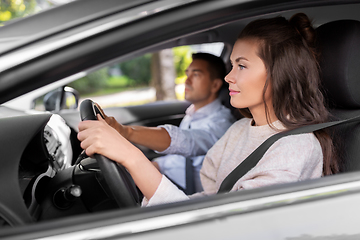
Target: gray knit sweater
(290, 159)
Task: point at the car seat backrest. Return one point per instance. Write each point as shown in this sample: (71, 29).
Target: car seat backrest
(339, 45)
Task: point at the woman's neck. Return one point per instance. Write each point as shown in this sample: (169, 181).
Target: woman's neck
(259, 116)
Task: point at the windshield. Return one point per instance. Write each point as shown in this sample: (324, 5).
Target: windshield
(15, 9)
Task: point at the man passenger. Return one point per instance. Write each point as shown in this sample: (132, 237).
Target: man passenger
(206, 120)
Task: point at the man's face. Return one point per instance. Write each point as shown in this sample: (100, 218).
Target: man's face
(198, 84)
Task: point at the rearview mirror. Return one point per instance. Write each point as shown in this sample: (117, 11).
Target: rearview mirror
(61, 98)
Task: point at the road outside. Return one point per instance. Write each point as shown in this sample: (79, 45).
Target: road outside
(131, 97)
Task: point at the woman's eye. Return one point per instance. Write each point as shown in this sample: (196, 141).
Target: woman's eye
(241, 67)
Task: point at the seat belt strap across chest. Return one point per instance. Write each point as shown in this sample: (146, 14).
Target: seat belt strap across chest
(258, 153)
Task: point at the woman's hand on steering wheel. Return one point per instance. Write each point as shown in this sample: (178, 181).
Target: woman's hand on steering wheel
(99, 137)
(113, 123)
(101, 140)
(95, 137)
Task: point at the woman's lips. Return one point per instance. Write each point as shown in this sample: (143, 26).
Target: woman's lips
(233, 92)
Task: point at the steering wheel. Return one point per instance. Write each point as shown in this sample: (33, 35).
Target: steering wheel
(120, 182)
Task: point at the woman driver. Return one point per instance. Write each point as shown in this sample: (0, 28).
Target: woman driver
(274, 81)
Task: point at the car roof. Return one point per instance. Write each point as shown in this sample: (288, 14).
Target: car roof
(23, 31)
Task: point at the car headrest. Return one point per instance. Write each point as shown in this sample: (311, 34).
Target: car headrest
(339, 45)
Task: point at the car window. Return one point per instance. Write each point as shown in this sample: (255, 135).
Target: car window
(143, 79)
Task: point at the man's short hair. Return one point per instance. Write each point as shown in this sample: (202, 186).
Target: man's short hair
(216, 65)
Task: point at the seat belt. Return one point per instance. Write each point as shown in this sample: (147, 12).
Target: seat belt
(259, 152)
(189, 177)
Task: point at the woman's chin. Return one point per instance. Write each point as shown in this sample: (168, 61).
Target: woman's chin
(236, 104)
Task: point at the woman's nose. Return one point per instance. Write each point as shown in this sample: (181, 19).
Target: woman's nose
(229, 77)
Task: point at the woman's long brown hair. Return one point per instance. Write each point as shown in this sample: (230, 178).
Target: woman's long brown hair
(288, 52)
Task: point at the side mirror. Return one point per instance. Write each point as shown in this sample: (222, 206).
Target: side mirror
(62, 98)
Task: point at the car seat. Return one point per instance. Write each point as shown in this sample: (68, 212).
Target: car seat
(339, 45)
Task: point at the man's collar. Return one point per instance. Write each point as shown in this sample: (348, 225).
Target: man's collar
(205, 110)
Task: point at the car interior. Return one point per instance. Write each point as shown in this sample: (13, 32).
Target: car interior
(44, 189)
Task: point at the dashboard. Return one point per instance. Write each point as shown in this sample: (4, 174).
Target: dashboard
(57, 142)
(38, 152)
(48, 152)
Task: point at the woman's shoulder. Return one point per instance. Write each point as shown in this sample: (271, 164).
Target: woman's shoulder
(304, 142)
(295, 152)
(242, 122)
(303, 137)
(237, 128)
